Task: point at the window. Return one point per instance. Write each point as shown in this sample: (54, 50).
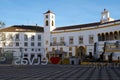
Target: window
(10, 37)
(11, 44)
(25, 37)
(99, 37)
(52, 23)
(17, 43)
(46, 16)
(39, 37)
(25, 49)
(61, 39)
(71, 40)
(39, 43)
(70, 53)
(39, 49)
(32, 43)
(91, 39)
(46, 22)
(80, 39)
(32, 49)
(54, 39)
(17, 37)
(32, 38)
(70, 48)
(25, 44)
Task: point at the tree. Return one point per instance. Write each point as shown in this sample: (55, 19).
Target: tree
(2, 24)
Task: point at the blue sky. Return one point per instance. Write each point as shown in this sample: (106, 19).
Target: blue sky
(68, 12)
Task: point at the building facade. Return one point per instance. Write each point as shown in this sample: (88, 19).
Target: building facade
(71, 43)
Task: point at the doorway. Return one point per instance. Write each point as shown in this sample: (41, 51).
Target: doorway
(72, 62)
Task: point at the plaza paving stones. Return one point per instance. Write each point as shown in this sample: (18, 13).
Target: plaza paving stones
(59, 72)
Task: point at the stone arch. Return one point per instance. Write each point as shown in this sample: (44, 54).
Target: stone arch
(103, 37)
(107, 36)
(99, 37)
(116, 35)
(111, 36)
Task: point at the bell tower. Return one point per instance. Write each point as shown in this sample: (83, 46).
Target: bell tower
(49, 20)
(105, 16)
(49, 25)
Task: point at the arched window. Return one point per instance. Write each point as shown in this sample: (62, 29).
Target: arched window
(52, 23)
(46, 22)
(111, 36)
(99, 37)
(103, 37)
(116, 35)
(107, 36)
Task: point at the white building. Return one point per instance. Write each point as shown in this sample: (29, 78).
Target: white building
(70, 43)
(22, 40)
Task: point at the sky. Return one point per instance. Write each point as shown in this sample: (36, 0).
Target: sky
(68, 12)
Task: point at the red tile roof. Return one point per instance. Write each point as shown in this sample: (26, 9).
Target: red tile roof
(83, 25)
(23, 28)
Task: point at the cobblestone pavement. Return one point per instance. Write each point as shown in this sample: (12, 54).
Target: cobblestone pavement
(59, 72)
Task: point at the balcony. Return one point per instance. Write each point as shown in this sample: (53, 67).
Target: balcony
(57, 44)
